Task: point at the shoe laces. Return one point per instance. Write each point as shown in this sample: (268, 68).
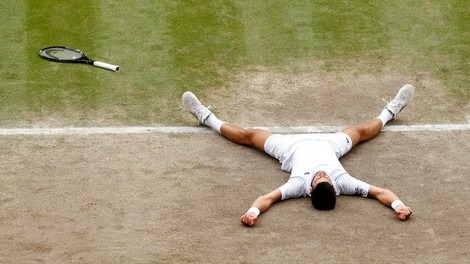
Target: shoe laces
(200, 107)
(390, 99)
(396, 101)
(201, 112)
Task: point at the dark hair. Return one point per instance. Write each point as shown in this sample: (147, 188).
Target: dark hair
(324, 196)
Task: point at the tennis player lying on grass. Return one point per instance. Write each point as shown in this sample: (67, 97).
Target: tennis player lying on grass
(312, 159)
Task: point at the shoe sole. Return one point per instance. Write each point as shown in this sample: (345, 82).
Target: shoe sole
(186, 100)
(407, 91)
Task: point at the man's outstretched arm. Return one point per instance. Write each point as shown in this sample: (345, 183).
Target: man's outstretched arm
(389, 199)
(261, 205)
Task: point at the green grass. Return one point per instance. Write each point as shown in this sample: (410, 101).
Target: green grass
(167, 47)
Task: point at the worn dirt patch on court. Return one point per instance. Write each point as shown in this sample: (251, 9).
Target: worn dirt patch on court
(263, 97)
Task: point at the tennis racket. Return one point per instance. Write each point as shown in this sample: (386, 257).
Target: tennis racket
(72, 55)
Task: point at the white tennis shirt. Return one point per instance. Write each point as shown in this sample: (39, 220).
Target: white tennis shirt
(305, 155)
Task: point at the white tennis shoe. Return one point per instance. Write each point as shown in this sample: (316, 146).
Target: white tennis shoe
(401, 100)
(192, 105)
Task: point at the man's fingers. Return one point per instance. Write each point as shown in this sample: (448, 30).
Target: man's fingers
(403, 212)
(401, 215)
(245, 219)
(248, 219)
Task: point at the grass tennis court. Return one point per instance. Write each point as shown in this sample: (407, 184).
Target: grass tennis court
(172, 198)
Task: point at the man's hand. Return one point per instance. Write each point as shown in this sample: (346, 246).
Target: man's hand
(403, 212)
(261, 204)
(249, 219)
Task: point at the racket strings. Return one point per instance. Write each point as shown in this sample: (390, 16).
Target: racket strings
(61, 54)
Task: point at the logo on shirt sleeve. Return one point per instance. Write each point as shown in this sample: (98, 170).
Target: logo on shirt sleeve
(359, 191)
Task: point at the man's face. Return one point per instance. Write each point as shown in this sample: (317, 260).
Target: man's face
(321, 176)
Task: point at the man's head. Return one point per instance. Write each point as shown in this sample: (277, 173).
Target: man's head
(323, 193)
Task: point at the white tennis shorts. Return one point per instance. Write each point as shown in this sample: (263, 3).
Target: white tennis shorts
(282, 147)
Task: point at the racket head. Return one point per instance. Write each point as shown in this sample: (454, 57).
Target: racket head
(63, 54)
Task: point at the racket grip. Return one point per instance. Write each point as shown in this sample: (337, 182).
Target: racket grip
(106, 66)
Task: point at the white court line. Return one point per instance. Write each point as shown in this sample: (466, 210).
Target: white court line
(179, 129)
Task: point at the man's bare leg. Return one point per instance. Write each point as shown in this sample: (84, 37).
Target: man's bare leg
(250, 137)
(365, 131)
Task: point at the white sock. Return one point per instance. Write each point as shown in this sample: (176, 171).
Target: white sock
(385, 116)
(213, 122)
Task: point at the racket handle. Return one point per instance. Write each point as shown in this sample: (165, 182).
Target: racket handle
(106, 66)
